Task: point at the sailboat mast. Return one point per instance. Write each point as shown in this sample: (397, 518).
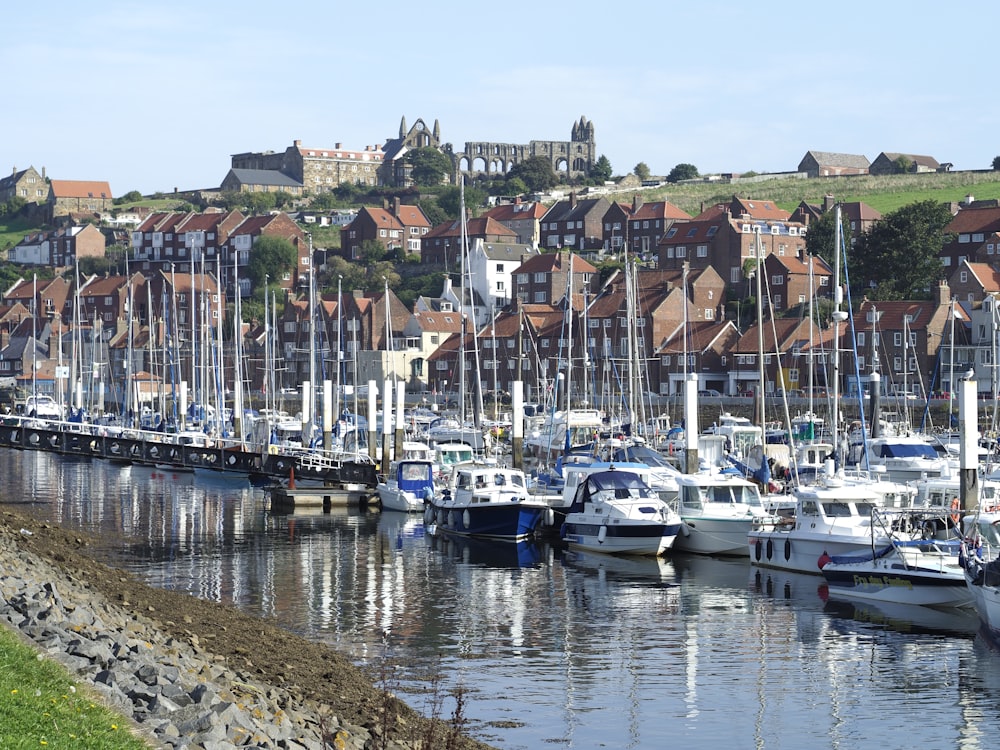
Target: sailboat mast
(760, 331)
(839, 316)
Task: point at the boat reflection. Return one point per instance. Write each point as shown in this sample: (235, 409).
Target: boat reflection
(960, 622)
(489, 553)
(624, 568)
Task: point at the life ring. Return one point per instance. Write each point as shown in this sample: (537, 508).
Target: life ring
(788, 550)
(770, 549)
(956, 515)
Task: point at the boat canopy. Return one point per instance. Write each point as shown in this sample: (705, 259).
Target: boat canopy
(622, 484)
(907, 450)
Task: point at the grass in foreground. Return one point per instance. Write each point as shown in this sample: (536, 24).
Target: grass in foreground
(41, 707)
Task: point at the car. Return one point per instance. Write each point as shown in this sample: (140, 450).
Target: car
(709, 393)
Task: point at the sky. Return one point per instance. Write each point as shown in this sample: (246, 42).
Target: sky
(158, 96)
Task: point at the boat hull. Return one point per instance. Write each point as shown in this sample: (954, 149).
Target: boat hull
(511, 520)
(401, 501)
(892, 583)
(620, 538)
(800, 554)
(714, 536)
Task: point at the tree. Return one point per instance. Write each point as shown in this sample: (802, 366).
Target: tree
(641, 171)
(601, 170)
(272, 257)
(449, 199)
(683, 172)
(259, 203)
(898, 256)
(820, 239)
(903, 163)
(515, 186)
(536, 172)
(996, 163)
(428, 166)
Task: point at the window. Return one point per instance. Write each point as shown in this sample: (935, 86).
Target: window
(702, 251)
(540, 297)
(824, 280)
(963, 276)
(692, 232)
(709, 313)
(777, 280)
(539, 278)
(897, 340)
(607, 322)
(672, 232)
(861, 338)
(665, 360)
(543, 343)
(681, 251)
(499, 267)
(711, 231)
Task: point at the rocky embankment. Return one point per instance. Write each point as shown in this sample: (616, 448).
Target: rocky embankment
(164, 671)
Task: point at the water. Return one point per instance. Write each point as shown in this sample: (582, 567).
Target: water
(550, 648)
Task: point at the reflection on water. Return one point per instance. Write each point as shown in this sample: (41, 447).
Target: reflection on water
(570, 649)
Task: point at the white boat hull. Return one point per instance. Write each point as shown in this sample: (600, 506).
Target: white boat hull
(706, 535)
(800, 553)
(619, 537)
(887, 581)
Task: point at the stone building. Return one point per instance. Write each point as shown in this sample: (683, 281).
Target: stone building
(68, 197)
(25, 183)
(317, 170)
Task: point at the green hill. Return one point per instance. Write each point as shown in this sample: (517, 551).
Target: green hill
(883, 193)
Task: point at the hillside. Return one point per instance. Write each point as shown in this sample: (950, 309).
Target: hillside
(883, 193)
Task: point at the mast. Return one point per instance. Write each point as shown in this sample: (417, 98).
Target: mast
(839, 316)
(760, 331)
(237, 352)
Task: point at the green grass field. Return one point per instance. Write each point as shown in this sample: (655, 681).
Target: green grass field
(41, 706)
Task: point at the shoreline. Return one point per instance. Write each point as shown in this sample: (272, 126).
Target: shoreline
(194, 673)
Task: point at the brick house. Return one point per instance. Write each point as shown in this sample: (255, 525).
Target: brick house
(707, 344)
(544, 279)
(178, 239)
(639, 227)
(858, 217)
(974, 234)
(575, 224)
(788, 280)
(829, 164)
(394, 227)
(522, 218)
(971, 283)
(901, 338)
(68, 197)
(725, 236)
(240, 242)
(442, 244)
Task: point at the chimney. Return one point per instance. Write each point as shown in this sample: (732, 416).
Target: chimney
(572, 200)
(297, 143)
(336, 146)
(942, 294)
(636, 203)
(828, 202)
(395, 206)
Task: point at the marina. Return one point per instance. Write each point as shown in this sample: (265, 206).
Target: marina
(574, 649)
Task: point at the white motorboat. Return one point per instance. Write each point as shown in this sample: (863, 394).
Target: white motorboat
(488, 501)
(901, 571)
(718, 510)
(409, 484)
(835, 518)
(615, 510)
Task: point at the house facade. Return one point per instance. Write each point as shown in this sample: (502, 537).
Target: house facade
(60, 248)
(575, 224)
(26, 184)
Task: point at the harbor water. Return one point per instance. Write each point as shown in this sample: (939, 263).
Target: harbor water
(549, 648)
